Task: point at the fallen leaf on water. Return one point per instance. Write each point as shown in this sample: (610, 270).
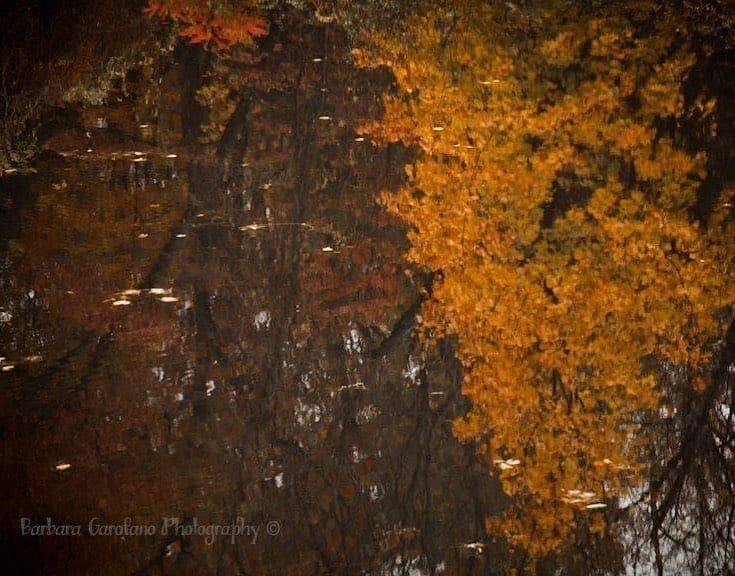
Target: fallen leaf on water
(356, 386)
(507, 464)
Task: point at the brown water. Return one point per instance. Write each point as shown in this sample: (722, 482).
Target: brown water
(262, 369)
(258, 375)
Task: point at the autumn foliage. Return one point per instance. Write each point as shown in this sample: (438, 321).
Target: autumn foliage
(221, 23)
(554, 196)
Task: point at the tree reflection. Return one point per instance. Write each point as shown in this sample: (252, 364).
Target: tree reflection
(280, 385)
(551, 207)
(682, 516)
(554, 195)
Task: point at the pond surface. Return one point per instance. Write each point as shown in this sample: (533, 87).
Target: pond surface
(199, 338)
(226, 339)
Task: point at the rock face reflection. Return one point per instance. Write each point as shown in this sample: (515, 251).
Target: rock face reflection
(214, 338)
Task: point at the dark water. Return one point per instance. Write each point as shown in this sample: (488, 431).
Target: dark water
(283, 383)
(264, 371)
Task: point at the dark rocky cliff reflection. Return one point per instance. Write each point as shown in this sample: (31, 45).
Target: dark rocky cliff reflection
(262, 366)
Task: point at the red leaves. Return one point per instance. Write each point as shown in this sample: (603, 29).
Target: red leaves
(222, 24)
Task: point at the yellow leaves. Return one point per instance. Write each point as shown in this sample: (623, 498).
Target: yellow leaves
(563, 49)
(665, 160)
(633, 137)
(603, 200)
(554, 318)
(661, 96)
(606, 43)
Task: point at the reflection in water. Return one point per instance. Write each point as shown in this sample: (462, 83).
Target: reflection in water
(222, 331)
(185, 348)
(558, 212)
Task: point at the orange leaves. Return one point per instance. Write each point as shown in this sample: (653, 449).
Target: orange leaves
(662, 95)
(633, 137)
(554, 315)
(155, 9)
(225, 32)
(562, 50)
(220, 23)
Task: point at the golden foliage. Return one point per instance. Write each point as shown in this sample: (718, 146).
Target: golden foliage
(555, 315)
